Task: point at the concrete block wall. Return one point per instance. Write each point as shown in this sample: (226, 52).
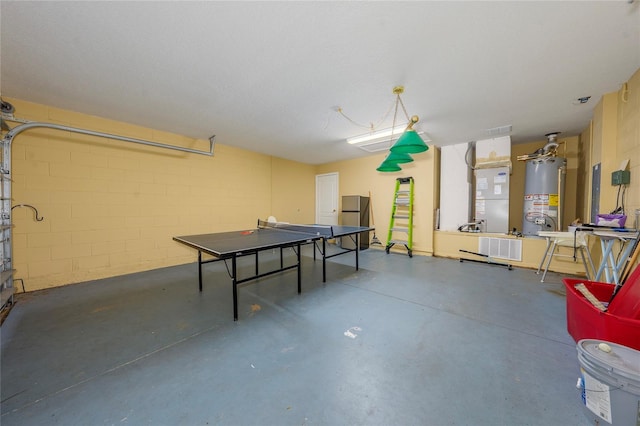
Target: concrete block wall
(112, 208)
(629, 140)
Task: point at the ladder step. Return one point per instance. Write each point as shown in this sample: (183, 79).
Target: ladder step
(398, 242)
(400, 229)
(401, 216)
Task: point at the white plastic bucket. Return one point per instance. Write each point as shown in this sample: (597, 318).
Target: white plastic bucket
(610, 382)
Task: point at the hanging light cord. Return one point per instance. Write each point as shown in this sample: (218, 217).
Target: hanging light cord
(373, 126)
(403, 108)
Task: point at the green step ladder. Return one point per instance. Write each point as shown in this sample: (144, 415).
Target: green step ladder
(402, 216)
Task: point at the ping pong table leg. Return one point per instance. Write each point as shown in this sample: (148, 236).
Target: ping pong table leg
(324, 260)
(235, 288)
(357, 250)
(200, 270)
(299, 271)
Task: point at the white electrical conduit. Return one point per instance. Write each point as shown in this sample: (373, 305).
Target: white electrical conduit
(34, 124)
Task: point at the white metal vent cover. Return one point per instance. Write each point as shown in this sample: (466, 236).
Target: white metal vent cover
(501, 248)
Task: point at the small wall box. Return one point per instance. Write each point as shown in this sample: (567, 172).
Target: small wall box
(620, 177)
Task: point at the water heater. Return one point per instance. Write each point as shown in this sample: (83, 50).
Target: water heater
(544, 190)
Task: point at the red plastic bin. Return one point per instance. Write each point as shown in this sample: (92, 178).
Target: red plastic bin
(619, 324)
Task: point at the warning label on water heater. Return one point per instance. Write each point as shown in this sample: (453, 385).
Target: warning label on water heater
(540, 204)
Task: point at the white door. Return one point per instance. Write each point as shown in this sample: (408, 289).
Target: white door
(327, 199)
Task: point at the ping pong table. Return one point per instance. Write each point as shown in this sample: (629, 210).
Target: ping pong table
(224, 246)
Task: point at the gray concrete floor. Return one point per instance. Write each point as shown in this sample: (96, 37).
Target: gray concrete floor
(403, 341)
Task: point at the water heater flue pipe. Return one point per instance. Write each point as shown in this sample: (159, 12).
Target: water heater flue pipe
(562, 172)
(552, 145)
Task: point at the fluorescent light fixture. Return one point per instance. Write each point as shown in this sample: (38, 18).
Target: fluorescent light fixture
(380, 134)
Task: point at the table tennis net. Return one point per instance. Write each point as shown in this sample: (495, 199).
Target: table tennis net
(317, 230)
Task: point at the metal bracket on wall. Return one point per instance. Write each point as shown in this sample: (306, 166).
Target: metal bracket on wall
(35, 211)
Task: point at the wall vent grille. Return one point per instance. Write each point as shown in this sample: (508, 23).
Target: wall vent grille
(501, 248)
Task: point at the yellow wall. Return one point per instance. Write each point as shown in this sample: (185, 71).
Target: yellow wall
(613, 136)
(293, 195)
(628, 142)
(604, 148)
(359, 177)
(583, 193)
(449, 244)
(112, 208)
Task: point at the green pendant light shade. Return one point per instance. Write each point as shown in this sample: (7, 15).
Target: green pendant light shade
(409, 143)
(398, 158)
(388, 166)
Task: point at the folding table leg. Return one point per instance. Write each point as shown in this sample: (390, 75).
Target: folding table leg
(235, 288)
(299, 271)
(546, 251)
(256, 263)
(357, 250)
(324, 260)
(200, 270)
(546, 269)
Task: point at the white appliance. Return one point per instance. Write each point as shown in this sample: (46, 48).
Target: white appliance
(492, 199)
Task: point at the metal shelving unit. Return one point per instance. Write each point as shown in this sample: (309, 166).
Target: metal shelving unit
(6, 268)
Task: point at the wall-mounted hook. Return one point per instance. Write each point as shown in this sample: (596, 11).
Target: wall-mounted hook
(38, 217)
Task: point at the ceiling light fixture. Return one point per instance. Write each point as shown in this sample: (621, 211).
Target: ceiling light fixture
(409, 141)
(379, 134)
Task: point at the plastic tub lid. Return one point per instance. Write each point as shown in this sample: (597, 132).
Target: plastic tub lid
(616, 359)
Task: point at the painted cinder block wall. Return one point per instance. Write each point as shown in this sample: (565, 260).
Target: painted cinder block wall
(112, 208)
(628, 137)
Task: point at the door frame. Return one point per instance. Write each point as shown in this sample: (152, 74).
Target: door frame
(337, 189)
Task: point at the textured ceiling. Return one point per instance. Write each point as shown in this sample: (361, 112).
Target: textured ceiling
(269, 76)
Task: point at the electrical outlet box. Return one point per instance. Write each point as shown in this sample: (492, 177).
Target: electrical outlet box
(620, 177)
